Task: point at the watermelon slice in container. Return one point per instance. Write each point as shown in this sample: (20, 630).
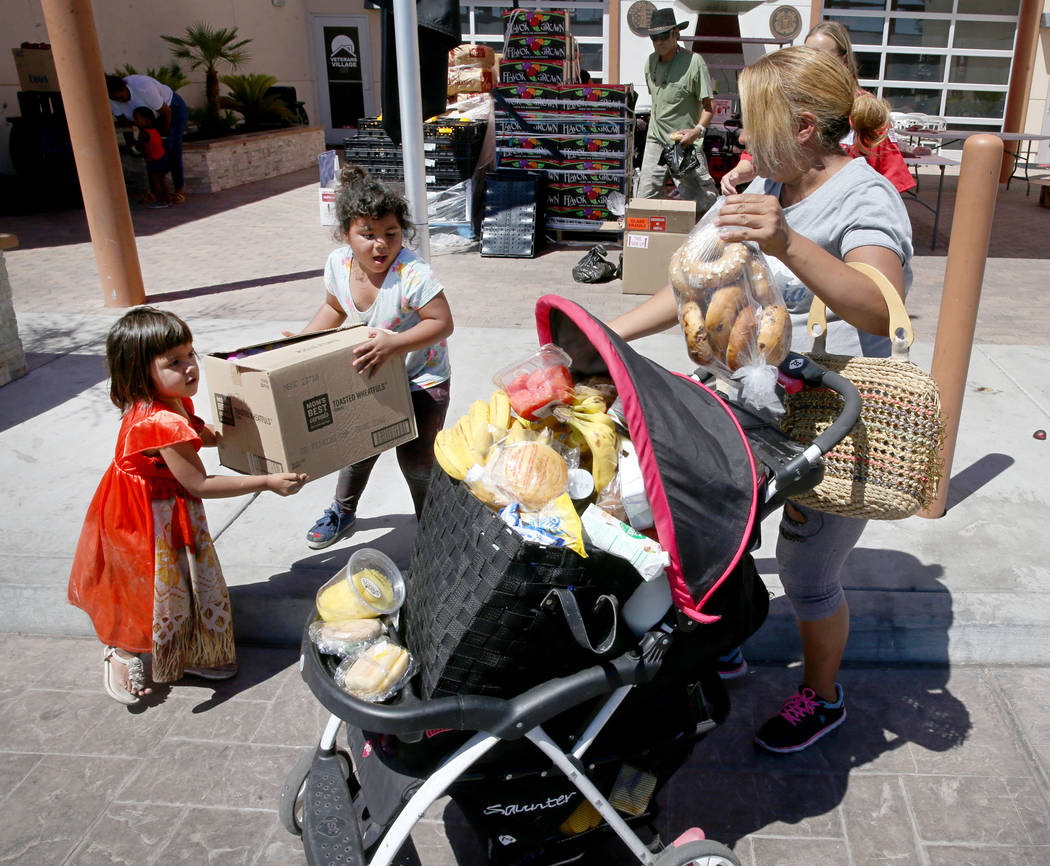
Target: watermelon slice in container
(538, 383)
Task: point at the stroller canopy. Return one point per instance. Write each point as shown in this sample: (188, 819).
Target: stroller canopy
(698, 469)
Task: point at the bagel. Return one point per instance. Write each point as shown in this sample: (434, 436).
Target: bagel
(741, 339)
(679, 282)
(696, 341)
(377, 670)
(761, 286)
(774, 334)
(723, 263)
(721, 314)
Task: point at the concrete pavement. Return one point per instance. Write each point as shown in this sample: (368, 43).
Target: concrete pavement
(970, 589)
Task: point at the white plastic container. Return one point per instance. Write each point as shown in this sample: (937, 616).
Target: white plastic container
(632, 488)
(647, 605)
(369, 586)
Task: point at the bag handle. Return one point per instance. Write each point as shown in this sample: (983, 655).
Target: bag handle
(901, 333)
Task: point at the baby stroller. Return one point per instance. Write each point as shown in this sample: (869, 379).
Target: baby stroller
(550, 724)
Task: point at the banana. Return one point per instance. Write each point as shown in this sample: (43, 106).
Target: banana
(499, 412)
(480, 435)
(518, 433)
(599, 432)
(449, 455)
(589, 404)
(463, 435)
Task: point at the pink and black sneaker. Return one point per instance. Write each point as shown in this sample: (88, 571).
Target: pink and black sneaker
(802, 721)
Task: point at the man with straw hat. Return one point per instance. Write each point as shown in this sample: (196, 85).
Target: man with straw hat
(680, 87)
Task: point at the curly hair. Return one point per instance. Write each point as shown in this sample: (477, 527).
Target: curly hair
(137, 337)
(361, 195)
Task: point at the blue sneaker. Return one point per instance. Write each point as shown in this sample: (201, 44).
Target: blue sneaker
(732, 665)
(802, 721)
(333, 525)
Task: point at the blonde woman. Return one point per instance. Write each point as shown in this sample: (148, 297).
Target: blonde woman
(881, 150)
(811, 209)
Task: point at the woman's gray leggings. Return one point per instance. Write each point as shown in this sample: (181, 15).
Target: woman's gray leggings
(810, 555)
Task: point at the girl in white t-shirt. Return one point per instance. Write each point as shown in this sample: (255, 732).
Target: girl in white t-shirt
(373, 280)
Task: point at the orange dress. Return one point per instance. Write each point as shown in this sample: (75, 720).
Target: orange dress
(145, 568)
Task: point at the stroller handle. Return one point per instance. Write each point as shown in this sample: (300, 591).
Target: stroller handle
(809, 372)
(508, 718)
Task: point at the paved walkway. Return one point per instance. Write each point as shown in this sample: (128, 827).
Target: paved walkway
(945, 762)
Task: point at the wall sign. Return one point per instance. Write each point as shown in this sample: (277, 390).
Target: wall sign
(785, 22)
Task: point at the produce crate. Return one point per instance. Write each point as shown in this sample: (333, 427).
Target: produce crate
(514, 214)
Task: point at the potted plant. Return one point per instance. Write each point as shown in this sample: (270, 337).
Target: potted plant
(250, 96)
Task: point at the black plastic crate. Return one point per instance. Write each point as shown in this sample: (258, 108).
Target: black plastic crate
(514, 214)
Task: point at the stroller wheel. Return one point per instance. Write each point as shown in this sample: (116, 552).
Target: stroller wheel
(290, 803)
(700, 853)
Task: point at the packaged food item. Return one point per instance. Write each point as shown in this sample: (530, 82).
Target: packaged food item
(607, 533)
(377, 672)
(556, 525)
(538, 383)
(368, 586)
(531, 473)
(344, 637)
(731, 309)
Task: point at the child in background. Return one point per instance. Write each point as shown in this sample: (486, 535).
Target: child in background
(145, 569)
(151, 146)
(374, 280)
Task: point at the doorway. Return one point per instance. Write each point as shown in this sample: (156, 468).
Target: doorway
(343, 62)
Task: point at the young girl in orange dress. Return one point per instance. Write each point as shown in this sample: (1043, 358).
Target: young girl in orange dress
(145, 569)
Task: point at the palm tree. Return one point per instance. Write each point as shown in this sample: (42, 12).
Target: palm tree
(206, 46)
(249, 96)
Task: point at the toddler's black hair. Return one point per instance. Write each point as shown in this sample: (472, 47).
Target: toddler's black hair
(361, 195)
(146, 112)
(133, 342)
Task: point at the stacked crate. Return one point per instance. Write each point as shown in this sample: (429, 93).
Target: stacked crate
(539, 49)
(581, 136)
(450, 151)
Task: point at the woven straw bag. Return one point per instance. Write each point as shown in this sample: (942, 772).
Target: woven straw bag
(889, 465)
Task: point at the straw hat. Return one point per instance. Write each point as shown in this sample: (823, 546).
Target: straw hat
(664, 20)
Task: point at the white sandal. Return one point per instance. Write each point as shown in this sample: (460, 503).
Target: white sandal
(136, 676)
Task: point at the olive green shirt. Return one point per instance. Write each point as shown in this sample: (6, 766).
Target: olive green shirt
(678, 89)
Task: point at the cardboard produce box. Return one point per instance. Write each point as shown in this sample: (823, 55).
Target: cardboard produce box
(298, 405)
(660, 215)
(36, 69)
(646, 256)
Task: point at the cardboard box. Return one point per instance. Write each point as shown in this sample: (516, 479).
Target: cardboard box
(298, 405)
(532, 72)
(536, 48)
(36, 69)
(660, 215)
(646, 256)
(526, 22)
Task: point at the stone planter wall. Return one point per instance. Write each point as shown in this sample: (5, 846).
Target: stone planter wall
(12, 357)
(222, 163)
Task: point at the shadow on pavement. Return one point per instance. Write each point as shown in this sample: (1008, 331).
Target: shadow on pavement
(748, 789)
(59, 228)
(276, 279)
(51, 380)
(975, 476)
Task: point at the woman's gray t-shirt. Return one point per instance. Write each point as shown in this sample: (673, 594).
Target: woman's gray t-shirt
(855, 207)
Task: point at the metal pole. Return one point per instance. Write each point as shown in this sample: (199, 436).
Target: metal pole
(411, 103)
(963, 275)
(78, 61)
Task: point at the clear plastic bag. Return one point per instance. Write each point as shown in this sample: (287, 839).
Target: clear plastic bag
(345, 637)
(732, 311)
(377, 671)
